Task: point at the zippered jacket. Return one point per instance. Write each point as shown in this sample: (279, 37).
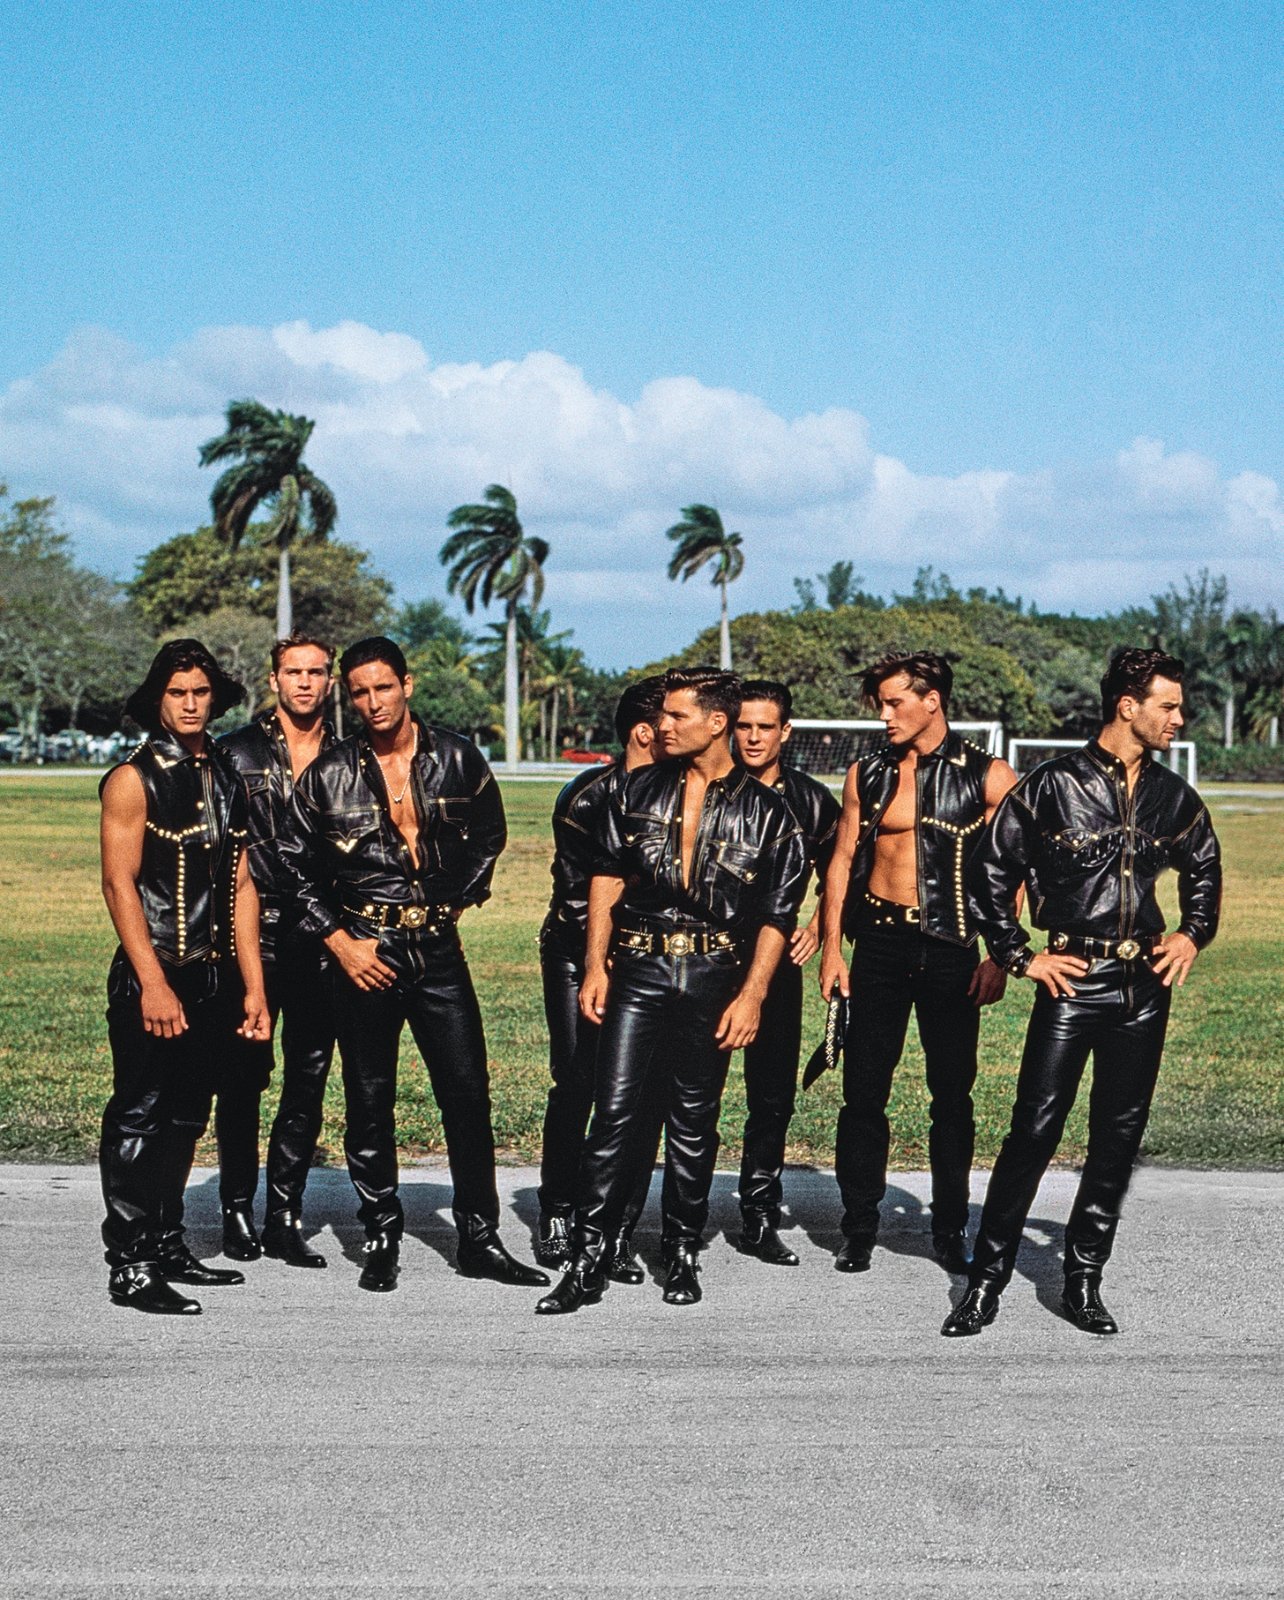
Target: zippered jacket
(262, 757)
(1090, 854)
(748, 859)
(194, 834)
(950, 790)
(341, 845)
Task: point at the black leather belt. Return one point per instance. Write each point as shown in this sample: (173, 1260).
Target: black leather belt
(1074, 944)
(681, 942)
(890, 913)
(390, 914)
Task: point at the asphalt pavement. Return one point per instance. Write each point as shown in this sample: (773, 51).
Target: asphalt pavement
(800, 1432)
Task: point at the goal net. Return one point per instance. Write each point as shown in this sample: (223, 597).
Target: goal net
(1026, 753)
(826, 748)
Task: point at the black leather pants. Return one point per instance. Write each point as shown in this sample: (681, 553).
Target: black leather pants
(657, 1047)
(1119, 1014)
(893, 971)
(159, 1106)
(771, 1084)
(572, 1060)
(433, 992)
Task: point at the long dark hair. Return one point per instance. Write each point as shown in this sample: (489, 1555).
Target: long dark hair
(180, 655)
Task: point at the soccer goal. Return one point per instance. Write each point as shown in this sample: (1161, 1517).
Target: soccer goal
(827, 747)
(1026, 753)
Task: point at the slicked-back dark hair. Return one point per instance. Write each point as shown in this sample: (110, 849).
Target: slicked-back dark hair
(297, 640)
(641, 702)
(714, 689)
(181, 655)
(924, 669)
(779, 694)
(1132, 671)
(376, 648)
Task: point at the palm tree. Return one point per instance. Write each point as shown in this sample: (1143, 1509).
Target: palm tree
(701, 538)
(490, 558)
(270, 473)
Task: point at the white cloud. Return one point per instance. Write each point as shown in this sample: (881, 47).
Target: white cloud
(114, 433)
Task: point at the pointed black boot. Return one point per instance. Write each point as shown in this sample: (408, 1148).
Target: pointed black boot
(975, 1311)
(951, 1250)
(855, 1254)
(481, 1255)
(624, 1266)
(240, 1237)
(145, 1289)
(283, 1241)
(381, 1264)
(553, 1240)
(582, 1285)
(758, 1237)
(1082, 1303)
(682, 1285)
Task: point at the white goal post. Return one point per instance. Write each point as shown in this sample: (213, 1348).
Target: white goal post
(1026, 753)
(828, 745)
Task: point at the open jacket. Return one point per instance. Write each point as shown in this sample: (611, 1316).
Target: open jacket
(1090, 854)
(341, 846)
(748, 861)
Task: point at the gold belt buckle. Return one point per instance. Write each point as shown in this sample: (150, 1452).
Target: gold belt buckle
(1128, 949)
(679, 944)
(1060, 941)
(413, 916)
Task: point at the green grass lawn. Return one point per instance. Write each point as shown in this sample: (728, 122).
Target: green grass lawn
(1220, 1101)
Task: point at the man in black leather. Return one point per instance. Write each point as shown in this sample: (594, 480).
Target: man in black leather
(392, 835)
(1089, 833)
(572, 1038)
(270, 753)
(762, 731)
(695, 893)
(913, 813)
(182, 901)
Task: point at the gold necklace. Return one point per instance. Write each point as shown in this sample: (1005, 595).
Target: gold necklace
(398, 798)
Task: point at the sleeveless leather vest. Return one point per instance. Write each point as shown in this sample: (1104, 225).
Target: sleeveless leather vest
(195, 832)
(950, 784)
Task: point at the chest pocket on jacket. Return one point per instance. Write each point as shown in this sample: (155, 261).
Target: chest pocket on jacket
(345, 830)
(737, 859)
(646, 834)
(1076, 850)
(258, 789)
(1152, 855)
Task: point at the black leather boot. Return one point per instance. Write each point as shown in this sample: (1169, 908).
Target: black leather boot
(553, 1240)
(240, 1237)
(144, 1287)
(624, 1266)
(976, 1310)
(758, 1237)
(682, 1285)
(481, 1255)
(582, 1285)
(179, 1265)
(283, 1240)
(855, 1254)
(1082, 1302)
(951, 1250)
(382, 1264)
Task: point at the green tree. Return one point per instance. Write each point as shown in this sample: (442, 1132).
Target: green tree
(701, 539)
(338, 596)
(266, 449)
(423, 622)
(842, 585)
(490, 557)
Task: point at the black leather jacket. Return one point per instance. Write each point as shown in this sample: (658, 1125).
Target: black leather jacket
(817, 812)
(1090, 854)
(341, 845)
(262, 757)
(950, 786)
(748, 862)
(195, 832)
(577, 812)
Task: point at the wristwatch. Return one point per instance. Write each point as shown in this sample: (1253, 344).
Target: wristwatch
(1016, 966)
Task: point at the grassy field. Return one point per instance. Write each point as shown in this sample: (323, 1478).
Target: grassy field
(1220, 1102)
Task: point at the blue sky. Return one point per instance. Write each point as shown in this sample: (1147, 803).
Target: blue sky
(1018, 264)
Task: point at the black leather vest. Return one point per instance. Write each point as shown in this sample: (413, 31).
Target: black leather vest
(950, 784)
(195, 832)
